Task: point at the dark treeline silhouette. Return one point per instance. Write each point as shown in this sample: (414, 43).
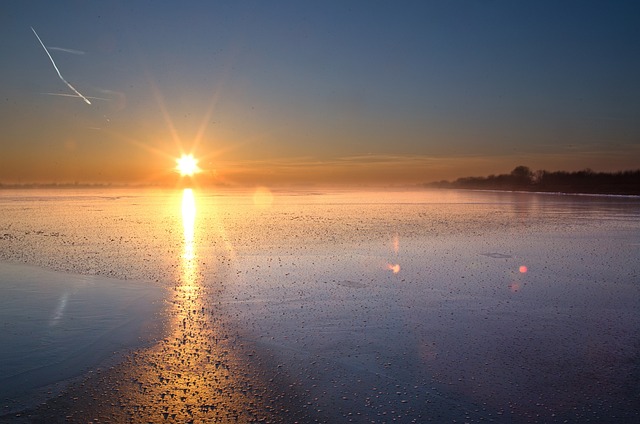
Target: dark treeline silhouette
(523, 179)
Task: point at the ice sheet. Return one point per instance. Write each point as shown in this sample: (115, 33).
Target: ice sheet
(56, 326)
(337, 306)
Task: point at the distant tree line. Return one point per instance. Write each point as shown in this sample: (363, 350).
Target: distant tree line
(524, 179)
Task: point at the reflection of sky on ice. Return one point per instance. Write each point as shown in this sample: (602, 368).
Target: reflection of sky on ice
(56, 325)
(59, 311)
(440, 305)
(482, 331)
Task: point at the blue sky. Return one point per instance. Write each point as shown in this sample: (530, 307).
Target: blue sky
(319, 92)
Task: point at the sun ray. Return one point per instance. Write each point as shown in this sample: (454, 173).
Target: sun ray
(165, 114)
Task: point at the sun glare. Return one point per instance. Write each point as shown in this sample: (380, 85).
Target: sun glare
(187, 165)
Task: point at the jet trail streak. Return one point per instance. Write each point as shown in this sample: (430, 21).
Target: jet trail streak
(62, 49)
(58, 71)
(73, 95)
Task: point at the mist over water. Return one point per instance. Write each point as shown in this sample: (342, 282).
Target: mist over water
(368, 306)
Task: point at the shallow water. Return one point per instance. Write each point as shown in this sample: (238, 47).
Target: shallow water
(369, 306)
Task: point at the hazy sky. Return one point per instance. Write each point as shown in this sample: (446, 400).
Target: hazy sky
(363, 92)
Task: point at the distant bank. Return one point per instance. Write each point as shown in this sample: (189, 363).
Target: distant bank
(524, 179)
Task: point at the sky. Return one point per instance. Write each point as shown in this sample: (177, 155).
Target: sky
(344, 92)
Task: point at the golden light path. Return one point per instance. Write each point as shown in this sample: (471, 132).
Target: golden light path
(193, 375)
(188, 223)
(198, 373)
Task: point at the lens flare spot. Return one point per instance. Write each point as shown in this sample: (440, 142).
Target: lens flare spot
(395, 268)
(262, 197)
(523, 269)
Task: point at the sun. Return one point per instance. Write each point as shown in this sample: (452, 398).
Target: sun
(187, 165)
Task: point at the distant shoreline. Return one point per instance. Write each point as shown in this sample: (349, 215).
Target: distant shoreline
(556, 193)
(522, 179)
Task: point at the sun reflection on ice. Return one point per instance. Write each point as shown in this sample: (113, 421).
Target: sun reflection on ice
(188, 223)
(195, 373)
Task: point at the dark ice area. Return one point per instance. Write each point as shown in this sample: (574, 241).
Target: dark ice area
(55, 326)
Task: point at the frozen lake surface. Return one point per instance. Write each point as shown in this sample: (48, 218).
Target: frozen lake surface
(341, 306)
(57, 325)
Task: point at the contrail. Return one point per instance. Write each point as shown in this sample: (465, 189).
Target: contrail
(58, 71)
(73, 95)
(62, 49)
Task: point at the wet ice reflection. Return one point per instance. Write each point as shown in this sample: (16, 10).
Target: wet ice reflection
(59, 311)
(188, 219)
(195, 373)
(189, 263)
